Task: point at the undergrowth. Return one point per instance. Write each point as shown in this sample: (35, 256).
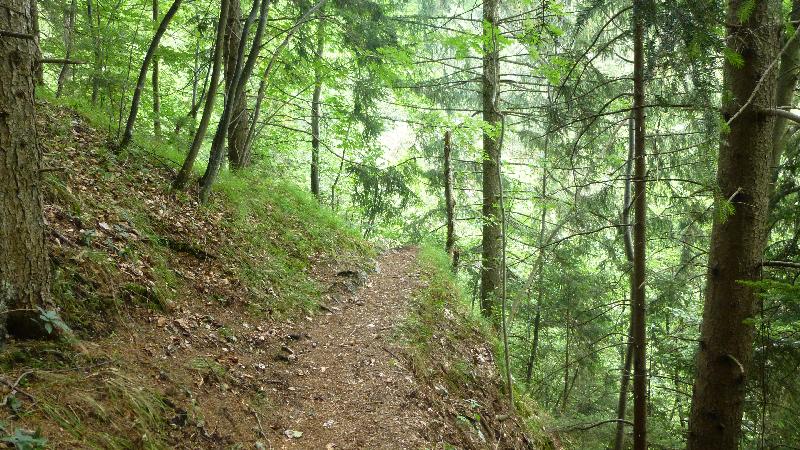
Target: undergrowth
(279, 229)
(455, 349)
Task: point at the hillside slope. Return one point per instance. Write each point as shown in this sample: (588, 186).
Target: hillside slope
(209, 327)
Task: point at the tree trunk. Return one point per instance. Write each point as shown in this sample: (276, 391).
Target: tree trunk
(787, 82)
(625, 377)
(737, 242)
(638, 303)
(218, 144)
(450, 200)
(95, 31)
(262, 88)
(237, 129)
(24, 266)
(211, 96)
(137, 93)
(156, 93)
(315, 105)
(491, 239)
(539, 268)
(38, 68)
(622, 403)
(69, 26)
(197, 99)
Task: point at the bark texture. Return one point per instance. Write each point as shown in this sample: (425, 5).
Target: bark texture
(24, 266)
(491, 240)
(188, 164)
(239, 121)
(737, 241)
(217, 155)
(450, 200)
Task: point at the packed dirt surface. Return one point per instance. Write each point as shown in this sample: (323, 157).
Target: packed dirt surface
(351, 391)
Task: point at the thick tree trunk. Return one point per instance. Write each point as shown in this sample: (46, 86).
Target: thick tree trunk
(638, 301)
(315, 105)
(69, 27)
(737, 242)
(137, 93)
(156, 93)
(491, 272)
(211, 96)
(24, 266)
(450, 200)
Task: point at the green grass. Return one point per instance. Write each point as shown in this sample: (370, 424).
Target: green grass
(283, 228)
(441, 327)
(278, 227)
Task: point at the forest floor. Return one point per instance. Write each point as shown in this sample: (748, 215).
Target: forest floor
(350, 389)
(239, 325)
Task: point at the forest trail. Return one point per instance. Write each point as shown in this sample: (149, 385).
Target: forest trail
(350, 390)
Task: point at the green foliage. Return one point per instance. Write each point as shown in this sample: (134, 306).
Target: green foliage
(52, 321)
(25, 440)
(746, 10)
(733, 57)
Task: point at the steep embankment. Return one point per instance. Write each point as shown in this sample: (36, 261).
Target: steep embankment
(236, 325)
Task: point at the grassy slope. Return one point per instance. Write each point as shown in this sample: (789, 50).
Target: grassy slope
(158, 288)
(451, 349)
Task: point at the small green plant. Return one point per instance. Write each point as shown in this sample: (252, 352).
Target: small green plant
(52, 321)
(25, 440)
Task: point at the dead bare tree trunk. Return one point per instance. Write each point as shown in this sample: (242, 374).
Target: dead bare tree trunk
(211, 96)
(24, 265)
(137, 93)
(737, 242)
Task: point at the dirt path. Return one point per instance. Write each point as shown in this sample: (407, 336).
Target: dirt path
(349, 390)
